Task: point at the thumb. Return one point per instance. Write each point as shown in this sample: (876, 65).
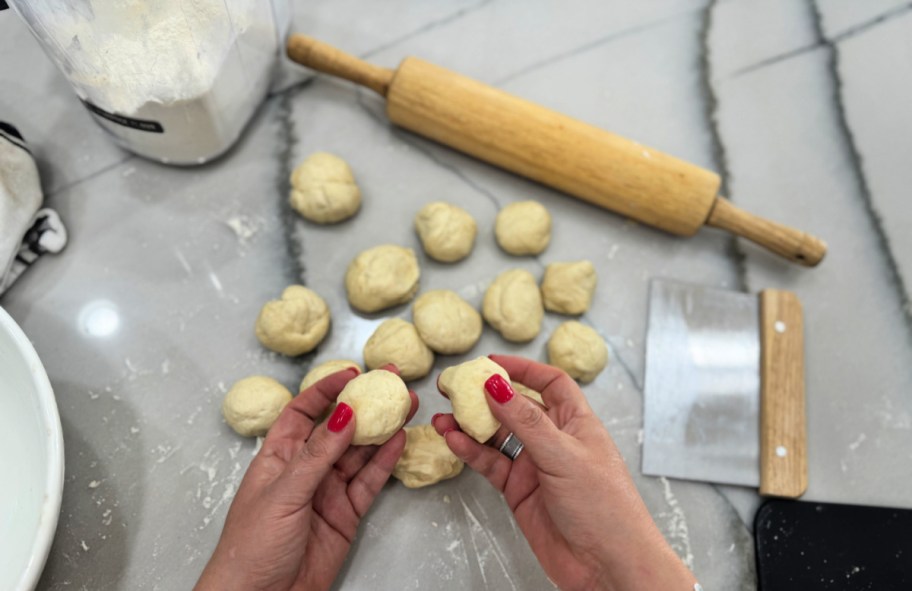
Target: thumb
(541, 438)
(327, 443)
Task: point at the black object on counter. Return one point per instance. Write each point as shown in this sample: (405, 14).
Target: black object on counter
(810, 546)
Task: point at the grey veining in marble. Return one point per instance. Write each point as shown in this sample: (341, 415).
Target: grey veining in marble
(799, 104)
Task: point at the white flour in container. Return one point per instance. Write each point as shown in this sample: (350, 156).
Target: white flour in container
(197, 68)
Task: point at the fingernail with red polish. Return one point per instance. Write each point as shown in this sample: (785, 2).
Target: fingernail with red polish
(499, 388)
(435, 417)
(340, 417)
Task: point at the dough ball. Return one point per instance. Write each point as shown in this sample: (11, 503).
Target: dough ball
(381, 404)
(529, 393)
(446, 323)
(523, 228)
(567, 287)
(253, 404)
(426, 459)
(323, 189)
(327, 368)
(447, 232)
(464, 385)
(578, 350)
(397, 341)
(295, 324)
(382, 277)
(513, 306)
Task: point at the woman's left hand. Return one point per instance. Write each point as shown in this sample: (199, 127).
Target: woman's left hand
(297, 510)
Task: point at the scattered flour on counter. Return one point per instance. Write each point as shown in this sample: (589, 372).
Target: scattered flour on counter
(857, 443)
(95, 484)
(485, 544)
(678, 534)
(245, 228)
(83, 545)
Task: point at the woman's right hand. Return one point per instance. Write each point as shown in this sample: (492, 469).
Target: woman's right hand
(569, 489)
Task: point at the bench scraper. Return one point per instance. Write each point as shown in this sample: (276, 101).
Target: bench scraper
(724, 392)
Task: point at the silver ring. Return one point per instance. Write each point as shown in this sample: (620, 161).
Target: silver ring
(511, 447)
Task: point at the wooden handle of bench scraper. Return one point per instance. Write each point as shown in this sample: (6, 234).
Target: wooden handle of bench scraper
(783, 431)
(592, 164)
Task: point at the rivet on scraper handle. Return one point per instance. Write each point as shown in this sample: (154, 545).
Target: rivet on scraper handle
(589, 163)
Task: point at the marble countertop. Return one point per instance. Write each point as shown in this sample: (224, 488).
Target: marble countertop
(797, 103)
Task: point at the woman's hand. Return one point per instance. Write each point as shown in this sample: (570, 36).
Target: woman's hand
(569, 488)
(298, 508)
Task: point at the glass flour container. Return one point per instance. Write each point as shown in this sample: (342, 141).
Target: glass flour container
(172, 80)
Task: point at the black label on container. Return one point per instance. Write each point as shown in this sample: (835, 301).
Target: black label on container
(140, 124)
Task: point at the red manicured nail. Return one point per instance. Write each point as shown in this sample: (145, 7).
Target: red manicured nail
(435, 417)
(499, 388)
(355, 370)
(340, 417)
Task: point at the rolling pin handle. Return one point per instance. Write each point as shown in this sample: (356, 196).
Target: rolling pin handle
(794, 245)
(325, 58)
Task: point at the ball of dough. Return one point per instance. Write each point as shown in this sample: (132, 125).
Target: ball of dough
(426, 459)
(523, 228)
(382, 277)
(528, 393)
(327, 368)
(447, 232)
(397, 341)
(567, 287)
(446, 323)
(578, 350)
(464, 385)
(253, 404)
(381, 404)
(295, 324)
(323, 189)
(513, 306)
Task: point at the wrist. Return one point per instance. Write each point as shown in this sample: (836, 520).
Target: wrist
(643, 561)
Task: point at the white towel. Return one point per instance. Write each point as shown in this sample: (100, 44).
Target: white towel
(26, 232)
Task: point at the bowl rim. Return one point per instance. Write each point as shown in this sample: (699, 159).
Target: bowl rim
(50, 511)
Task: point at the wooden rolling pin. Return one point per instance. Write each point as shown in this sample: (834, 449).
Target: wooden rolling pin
(553, 149)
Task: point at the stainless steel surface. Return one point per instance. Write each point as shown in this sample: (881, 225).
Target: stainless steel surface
(702, 388)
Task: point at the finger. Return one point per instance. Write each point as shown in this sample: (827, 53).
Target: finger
(439, 389)
(354, 458)
(367, 483)
(443, 423)
(300, 415)
(326, 445)
(485, 460)
(414, 408)
(555, 386)
(541, 438)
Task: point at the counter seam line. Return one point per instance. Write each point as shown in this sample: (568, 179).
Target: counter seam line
(93, 175)
(719, 153)
(824, 41)
(857, 164)
(287, 140)
(591, 45)
(427, 27)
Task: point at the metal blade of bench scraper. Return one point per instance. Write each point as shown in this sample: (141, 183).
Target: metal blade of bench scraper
(702, 390)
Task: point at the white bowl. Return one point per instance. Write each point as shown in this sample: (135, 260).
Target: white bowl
(31, 460)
